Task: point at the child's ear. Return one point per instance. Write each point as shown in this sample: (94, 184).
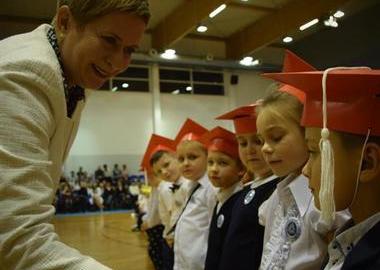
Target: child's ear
(371, 163)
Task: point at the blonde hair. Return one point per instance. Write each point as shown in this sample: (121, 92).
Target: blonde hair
(85, 11)
(282, 105)
(186, 143)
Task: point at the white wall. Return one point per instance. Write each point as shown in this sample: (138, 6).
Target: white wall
(116, 127)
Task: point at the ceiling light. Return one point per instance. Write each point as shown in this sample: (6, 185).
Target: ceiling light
(287, 39)
(308, 24)
(202, 28)
(189, 88)
(175, 92)
(125, 85)
(338, 14)
(114, 89)
(169, 54)
(217, 11)
(244, 0)
(248, 61)
(331, 22)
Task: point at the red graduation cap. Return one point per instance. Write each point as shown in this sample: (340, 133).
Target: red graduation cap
(156, 143)
(294, 63)
(190, 131)
(353, 98)
(243, 117)
(221, 140)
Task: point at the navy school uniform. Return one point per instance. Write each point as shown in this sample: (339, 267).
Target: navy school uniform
(155, 247)
(365, 255)
(220, 223)
(243, 244)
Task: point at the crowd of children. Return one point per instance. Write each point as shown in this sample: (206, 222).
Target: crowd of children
(295, 187)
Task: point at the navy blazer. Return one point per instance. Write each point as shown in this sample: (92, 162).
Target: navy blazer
(366, 253)
(244, 241)
(218, 230)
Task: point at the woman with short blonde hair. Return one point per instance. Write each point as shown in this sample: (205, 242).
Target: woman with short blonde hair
(44, 74)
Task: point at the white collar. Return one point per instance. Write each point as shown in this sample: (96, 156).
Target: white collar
(352, 235)
(296, 186)
(224, 194)
(261, 181)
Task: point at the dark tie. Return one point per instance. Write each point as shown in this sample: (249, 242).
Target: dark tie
(174, 187)
(183, 209)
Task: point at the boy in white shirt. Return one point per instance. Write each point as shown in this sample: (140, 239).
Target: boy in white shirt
(192, 226)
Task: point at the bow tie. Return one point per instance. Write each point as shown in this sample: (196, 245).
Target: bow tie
(174, 187)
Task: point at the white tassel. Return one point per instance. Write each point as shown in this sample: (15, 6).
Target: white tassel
(326, 193)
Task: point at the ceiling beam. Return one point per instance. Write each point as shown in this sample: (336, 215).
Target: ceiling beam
(181, 21)
(251, 7)
(277, 24)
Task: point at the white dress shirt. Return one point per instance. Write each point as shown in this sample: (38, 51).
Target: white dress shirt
(152, 217)
(179, 198)
(165, 202)
(290, 242)
(191, 232)
(343, 243)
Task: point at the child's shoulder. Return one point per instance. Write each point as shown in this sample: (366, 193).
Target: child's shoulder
(366, 253)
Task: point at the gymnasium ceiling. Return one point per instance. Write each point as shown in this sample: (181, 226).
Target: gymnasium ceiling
(244, 28)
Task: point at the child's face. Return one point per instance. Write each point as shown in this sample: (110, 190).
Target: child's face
(167, 168)
(346, 165)
(193, 159)
(251, 155)
(284, 147)
(223, 170)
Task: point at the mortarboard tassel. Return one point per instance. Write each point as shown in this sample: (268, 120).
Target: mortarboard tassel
(326, 193)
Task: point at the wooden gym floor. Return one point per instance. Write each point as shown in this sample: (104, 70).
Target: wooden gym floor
(107, 238)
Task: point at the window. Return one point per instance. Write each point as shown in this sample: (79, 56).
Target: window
(135, 79)
(190, 81)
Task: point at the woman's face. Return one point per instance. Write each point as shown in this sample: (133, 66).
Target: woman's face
(100, 49)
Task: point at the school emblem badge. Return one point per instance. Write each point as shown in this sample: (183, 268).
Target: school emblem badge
(248, 198)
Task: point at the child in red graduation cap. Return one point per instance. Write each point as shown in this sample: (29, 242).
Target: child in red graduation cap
(192, 226)
(225, 170)
(341, 117)
(152, 223)
(160, 159)
(244, 240)
(289, 241)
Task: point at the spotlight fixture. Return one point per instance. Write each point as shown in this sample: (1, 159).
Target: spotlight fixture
(202, 28)
(338, 14)
(248, 61)
(287, 39)
(125, 85)
(169, 54)
(331, 22)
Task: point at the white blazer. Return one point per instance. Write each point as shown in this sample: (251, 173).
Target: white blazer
(35, 138)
